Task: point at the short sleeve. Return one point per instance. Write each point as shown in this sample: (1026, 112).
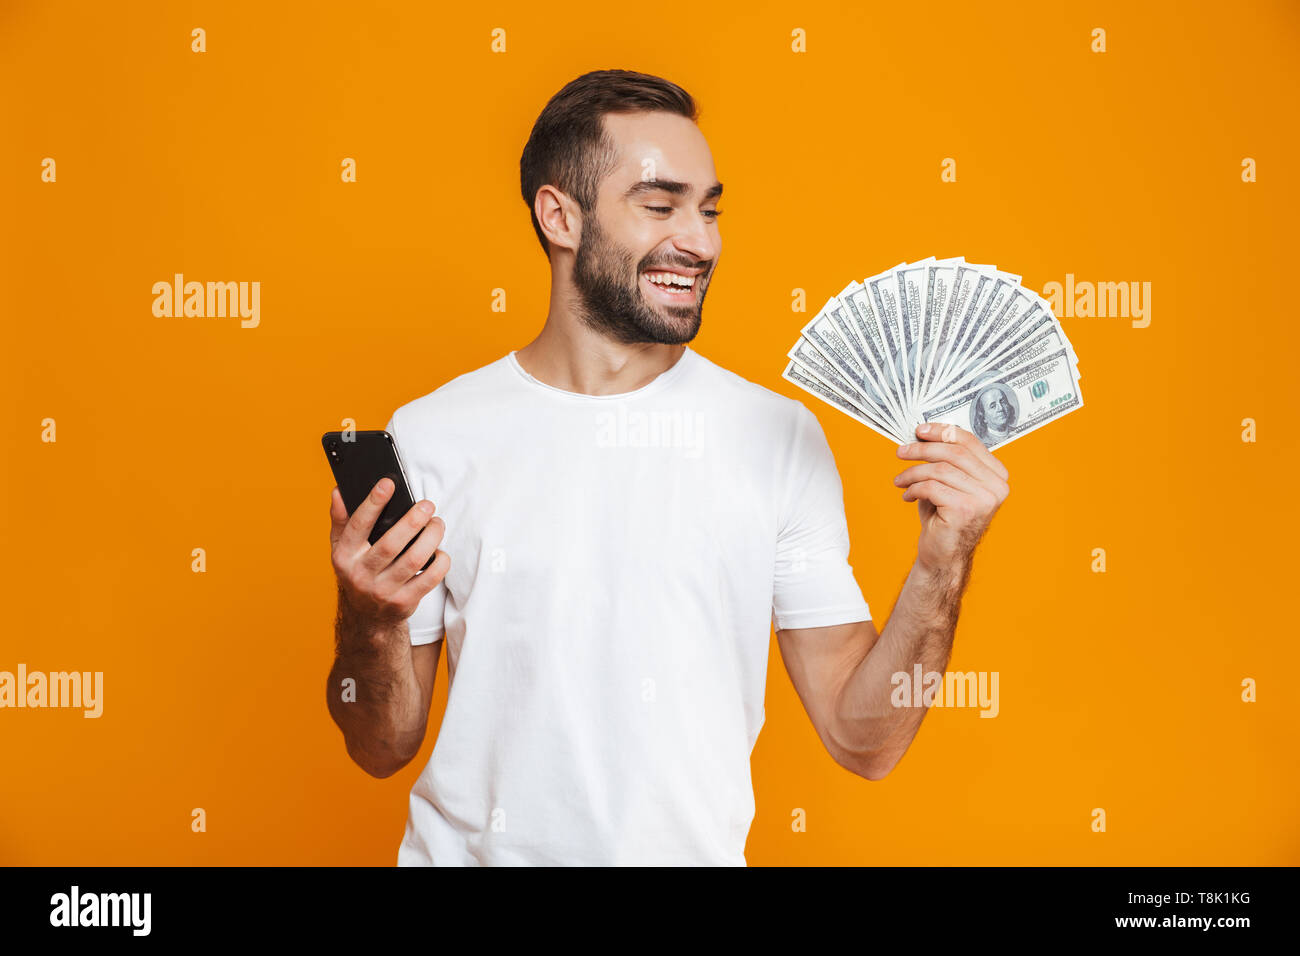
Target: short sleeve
(814, 583)
(426, 624)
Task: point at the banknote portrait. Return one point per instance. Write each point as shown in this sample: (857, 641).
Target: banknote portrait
(994, 413)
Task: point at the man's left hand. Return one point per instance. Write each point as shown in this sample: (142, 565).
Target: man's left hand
(958, 486)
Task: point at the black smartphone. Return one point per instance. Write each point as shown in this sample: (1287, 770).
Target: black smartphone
(358, 463)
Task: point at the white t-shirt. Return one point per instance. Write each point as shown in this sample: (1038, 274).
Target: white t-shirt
(617, 562)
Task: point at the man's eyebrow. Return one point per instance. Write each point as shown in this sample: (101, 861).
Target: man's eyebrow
(668, 186)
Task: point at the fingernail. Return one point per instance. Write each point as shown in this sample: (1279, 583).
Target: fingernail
(426, 507)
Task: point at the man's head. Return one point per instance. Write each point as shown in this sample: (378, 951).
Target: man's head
(623, 195)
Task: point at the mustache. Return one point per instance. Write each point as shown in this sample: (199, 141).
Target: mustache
(706, 266)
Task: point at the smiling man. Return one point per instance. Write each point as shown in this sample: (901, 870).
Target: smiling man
(606, 602)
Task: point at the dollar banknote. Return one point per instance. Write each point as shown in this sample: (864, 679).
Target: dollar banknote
(941, 340)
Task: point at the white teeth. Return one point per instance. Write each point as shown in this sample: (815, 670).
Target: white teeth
(671, 278)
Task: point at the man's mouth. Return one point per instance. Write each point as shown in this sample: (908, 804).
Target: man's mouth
(671, 284)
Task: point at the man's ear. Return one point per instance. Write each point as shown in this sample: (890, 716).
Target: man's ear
(559, 217)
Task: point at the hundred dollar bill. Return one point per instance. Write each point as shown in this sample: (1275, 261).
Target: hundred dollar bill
(917, 307)
(823, 334)
(1015, 403)
(1044, 337)
(795, 374)
(1047, 309)
(998, 327)
(966, 286)
(1026, 315)
(842, 322)
(992, 296)
(862, 317)
(911, 306)
(815, 365)
(1017, 317)
(883, 290)
(939, 277)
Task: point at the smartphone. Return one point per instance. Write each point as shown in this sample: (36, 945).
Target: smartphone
(358, 464)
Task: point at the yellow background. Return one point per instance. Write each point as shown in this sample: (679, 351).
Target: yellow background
(1118, 690)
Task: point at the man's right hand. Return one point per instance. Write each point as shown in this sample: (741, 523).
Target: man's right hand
(377, 583)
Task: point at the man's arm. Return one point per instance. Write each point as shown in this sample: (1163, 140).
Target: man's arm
(384, 726)
(843, 673)
(385, 712)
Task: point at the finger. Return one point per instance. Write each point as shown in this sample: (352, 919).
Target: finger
(338, 515)
(935, 492)
(417, 588)
(948, 432)
(954, 452)
(385, 550)
(356, 536)
(942, 471)
(408, 564)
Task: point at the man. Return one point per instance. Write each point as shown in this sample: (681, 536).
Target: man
(628, 521)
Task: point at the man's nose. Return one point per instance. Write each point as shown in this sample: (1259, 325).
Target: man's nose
(698, 239)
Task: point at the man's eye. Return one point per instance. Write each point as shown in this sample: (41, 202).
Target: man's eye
(711, 213)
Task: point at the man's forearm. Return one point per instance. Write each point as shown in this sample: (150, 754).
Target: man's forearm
(920, 631)
(382, 720)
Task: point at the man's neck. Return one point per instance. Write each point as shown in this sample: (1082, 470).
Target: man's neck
(581, 360)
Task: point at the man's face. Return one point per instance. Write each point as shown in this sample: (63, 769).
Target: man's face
(645, 258)
(996, 410)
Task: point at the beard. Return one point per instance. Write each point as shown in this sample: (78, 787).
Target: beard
(611, 302)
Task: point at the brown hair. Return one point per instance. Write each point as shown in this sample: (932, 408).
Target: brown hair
(569, 148)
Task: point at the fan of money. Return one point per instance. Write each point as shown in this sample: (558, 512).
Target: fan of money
(942, 340)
